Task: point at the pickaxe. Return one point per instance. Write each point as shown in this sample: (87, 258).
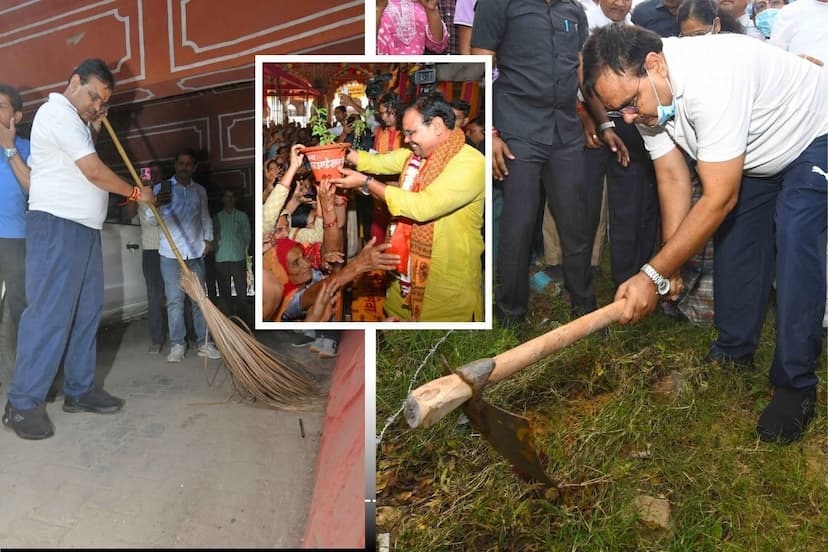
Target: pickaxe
(508, 433)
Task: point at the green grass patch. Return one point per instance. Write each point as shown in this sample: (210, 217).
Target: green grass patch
(610, 433)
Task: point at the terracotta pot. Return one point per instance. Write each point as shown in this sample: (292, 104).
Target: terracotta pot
(326, 160)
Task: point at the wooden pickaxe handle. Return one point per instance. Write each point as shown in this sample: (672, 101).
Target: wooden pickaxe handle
(431, 401)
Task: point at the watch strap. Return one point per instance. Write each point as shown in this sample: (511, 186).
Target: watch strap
(9, 152)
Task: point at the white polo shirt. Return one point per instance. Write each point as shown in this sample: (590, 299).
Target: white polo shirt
(59, 138)
(735, 95)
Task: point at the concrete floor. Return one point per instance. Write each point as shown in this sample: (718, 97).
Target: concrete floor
(184, 464)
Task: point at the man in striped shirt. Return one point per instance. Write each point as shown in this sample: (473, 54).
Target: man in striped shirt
(232, 233)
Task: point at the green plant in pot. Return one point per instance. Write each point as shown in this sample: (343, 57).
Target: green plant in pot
(326, 158)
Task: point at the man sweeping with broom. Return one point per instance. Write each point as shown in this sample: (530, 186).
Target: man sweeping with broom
(68, 201)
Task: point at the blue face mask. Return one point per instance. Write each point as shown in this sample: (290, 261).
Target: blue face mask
(665, 112)
(764, 21)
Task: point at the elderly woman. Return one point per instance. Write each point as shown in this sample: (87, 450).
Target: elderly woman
(301, 281)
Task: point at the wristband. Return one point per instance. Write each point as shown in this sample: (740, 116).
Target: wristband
(604, 126)
(330, 224)
(136, 193)
(365, 190)
(579, 107)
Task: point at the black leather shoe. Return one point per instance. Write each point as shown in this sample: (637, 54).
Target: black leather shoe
(32, 423)
(787, 416)
(95, 400)
(737, 363)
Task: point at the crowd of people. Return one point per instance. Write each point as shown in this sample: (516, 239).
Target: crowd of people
(415, 188)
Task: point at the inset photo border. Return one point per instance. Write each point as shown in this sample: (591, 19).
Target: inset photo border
(370, 245)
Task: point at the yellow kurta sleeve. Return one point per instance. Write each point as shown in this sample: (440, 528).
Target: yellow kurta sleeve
(383, 163)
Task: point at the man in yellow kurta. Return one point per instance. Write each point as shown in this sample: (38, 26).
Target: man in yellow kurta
(441, 200)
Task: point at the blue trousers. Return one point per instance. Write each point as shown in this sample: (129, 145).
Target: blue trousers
(175, 300)
(64, 293)
(778, 226)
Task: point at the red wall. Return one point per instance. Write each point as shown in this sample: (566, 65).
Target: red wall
(337, 514)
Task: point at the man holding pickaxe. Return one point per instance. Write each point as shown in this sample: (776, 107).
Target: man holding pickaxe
(756, 120)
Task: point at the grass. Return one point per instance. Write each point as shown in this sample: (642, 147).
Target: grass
(609, 435)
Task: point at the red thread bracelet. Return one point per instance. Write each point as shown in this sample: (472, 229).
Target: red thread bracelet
(136, 193)
(330, 224)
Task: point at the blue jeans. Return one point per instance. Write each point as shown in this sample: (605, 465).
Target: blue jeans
(778, 227)
(171, 272)
(64, 289)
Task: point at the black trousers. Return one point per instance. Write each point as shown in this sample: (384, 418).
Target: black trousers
(236, 271)
(632, 201)
(553, 171)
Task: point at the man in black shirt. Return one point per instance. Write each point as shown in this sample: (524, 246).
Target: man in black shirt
(538, 144)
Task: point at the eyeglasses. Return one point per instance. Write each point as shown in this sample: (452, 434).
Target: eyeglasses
(700, 32)
(629, 109)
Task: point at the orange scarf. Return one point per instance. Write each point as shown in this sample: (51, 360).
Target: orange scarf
(422, 233)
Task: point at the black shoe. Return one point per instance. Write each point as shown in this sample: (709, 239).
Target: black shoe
(741, 363)
(786, 417)
(95, 400)
(32, 423)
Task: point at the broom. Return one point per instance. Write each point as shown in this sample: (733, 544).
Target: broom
(250, 363)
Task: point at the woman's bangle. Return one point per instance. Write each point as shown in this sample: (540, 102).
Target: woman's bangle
(136, 193)
(330, 224)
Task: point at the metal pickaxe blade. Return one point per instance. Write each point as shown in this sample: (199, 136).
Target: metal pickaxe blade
(510, 434)
(430, 402)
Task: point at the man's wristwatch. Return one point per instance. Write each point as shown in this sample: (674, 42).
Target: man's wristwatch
(365, 190)
(604, 126)
(9, 152)
(662, 283)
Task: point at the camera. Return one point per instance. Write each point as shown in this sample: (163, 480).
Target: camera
(376, 86)
(425, 80)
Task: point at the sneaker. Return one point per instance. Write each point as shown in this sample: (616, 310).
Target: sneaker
(302, 341)
(209, 350)
(316, 345)
(327, 348)
(154, 349)
(95, 400)
(176, 353)
(786, 417)
(32, 423)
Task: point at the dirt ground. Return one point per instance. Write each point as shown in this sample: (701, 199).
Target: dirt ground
(184, 464)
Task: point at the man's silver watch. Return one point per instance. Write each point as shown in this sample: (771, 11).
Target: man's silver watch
(365, 190)
(662, 283)
(9, 152)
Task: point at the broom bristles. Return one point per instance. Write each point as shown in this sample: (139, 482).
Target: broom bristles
(253, 365)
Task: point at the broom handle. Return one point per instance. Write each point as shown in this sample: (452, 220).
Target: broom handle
(138, 183)
(431, 401)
